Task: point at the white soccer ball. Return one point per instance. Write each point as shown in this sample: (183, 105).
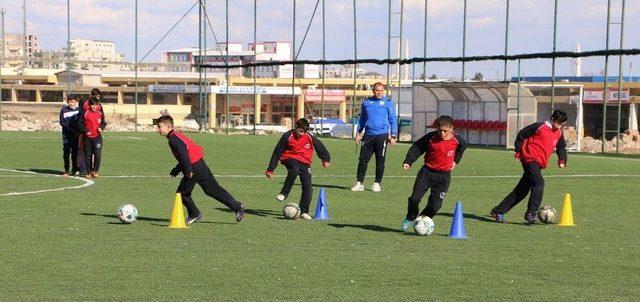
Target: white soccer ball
(127, 213)
(547, 214)
(423, 226)
(291, 211)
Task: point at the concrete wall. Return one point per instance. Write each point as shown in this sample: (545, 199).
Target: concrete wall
(145, 112)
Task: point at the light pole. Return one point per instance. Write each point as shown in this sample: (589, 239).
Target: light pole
(2, 12)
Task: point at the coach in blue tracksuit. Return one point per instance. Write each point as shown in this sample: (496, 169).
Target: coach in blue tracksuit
(379, 122)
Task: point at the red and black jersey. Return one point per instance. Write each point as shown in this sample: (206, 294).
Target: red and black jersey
(186, 151)
(536, 142)
(298, 148)
(439, 154)
(89, 123)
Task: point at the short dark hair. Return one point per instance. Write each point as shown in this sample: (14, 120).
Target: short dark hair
(95, 92)
(165, 119)
(559, 116)
(445, 120)
(302, 124)
(72, 97)
(94, 101)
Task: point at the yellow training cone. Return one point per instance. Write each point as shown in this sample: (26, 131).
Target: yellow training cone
(566, 219)
(177, 214)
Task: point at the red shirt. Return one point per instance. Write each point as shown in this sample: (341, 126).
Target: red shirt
(441, 153)
(540, 144)
(178, 142)
(300, 149)
(92, 121)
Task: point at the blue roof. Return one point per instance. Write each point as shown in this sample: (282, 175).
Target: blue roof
(585, 79)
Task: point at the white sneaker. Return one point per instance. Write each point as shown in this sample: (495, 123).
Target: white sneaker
(376, 187)
(305, 216)
(358, 187)
(281, 197)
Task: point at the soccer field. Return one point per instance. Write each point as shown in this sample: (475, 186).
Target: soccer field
(60, 239)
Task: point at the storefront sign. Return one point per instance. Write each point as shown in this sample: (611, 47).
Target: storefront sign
(222, 89)
(176, 88)
(595, 96)
(258, 90)
(330, 95)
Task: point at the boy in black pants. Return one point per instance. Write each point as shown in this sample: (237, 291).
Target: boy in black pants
(194, 170)
(69, 121)
(91, 125)
(295, 151)
(534, 145)
(443, 151)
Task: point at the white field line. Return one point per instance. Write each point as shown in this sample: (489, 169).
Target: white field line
(341, 176)
(87, 182)
(51, 138)
(570, 155)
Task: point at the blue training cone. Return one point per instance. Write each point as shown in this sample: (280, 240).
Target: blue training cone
(322, 210)
(457, 226)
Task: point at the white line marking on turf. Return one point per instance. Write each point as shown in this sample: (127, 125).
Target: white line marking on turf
(87, 182)
(352, 176)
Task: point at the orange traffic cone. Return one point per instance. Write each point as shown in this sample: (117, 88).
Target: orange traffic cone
(177, 214)
(566, 219)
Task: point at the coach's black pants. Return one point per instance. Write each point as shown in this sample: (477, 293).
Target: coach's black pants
(531, 180)
(70, 148)
(372, 144)
(427, 179)
(203, 177)
(295, 168)
(92, 154)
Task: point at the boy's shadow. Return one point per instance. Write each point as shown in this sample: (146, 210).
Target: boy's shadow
(143, 218)
(368, 227)
(42, 171)
(257, 212)
(326, 186)
(470, 216)
(482, 218)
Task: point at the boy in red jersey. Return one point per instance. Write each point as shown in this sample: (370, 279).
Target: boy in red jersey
(534, 145)
(191, 163)
(91, 125)
(295, 151)
(443, 150)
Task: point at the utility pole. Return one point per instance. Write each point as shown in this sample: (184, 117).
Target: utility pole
(2, 12)
(24, 35)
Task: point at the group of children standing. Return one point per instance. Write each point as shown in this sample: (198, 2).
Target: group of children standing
(82, 124)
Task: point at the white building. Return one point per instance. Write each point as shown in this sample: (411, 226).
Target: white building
(94, 54)
(14, 50)
(184, 59)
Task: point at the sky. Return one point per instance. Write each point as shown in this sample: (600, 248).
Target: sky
(531, 29)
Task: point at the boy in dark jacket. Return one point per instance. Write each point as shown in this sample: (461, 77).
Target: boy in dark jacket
(443, 150)
(295, 151)
(69, 122)
(91, 125)
(191, 163)
(534, 145)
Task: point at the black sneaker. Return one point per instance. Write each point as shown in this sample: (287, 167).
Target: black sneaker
(192, 219)
(240, 213)
(531, 218)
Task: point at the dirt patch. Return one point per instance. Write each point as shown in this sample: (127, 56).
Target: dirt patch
(629, 143)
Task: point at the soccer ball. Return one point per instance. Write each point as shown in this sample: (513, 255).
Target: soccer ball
(291, 211)
(423, 226)
(127, 213)
(547, 214)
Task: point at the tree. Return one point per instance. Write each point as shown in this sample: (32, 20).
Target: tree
(478, 76)
(433, 77)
